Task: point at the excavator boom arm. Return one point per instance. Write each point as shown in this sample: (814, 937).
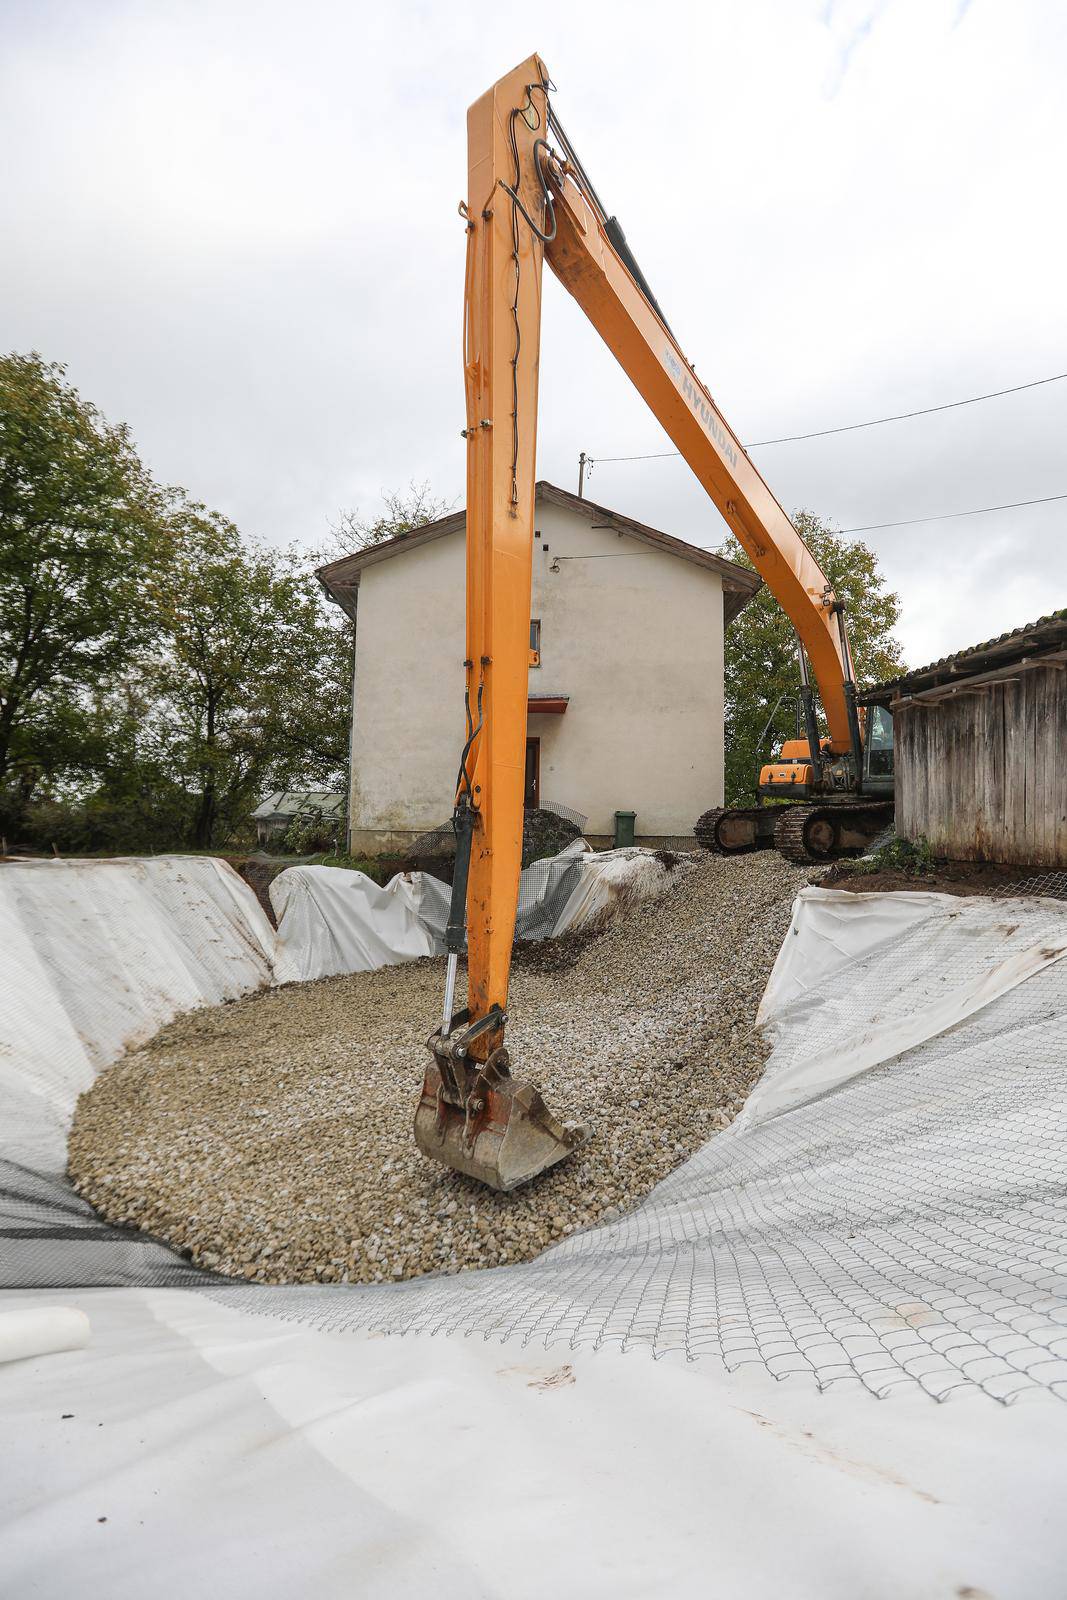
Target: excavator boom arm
(524, 203)
(586, 262)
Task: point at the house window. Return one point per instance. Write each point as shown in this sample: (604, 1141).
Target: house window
(535, 641)
(531, 798)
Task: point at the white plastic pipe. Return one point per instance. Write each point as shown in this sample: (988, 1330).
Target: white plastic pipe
(42, 1331)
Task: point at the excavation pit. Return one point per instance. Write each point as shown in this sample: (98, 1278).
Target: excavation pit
(270, 1139)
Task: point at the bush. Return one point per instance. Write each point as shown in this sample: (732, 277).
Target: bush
(913, 857)
(308, 836)
(378, 869)
(102, 825)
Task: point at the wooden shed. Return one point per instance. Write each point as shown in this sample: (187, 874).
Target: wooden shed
(981, 748)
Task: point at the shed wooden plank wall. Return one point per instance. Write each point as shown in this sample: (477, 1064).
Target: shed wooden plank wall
(983, 775)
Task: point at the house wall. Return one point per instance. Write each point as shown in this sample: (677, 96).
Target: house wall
(982, 775)
(407, 703)
(636, 641)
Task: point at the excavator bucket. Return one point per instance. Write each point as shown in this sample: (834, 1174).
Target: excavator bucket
(474, 1117)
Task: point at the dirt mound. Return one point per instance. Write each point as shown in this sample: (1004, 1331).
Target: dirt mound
(546, 834)
(947, 877)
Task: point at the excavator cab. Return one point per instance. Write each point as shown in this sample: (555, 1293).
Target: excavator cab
(878, 751)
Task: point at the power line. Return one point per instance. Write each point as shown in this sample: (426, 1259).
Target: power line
(852, 427)
(949, 516)
(657, 455)
(926, 411)
(870, 527)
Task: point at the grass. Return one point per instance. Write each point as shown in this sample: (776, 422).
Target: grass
(349, 863)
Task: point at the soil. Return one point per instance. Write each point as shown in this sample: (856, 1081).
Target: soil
(948, 877)
(546, 834)
(259, 874)
(438, 866)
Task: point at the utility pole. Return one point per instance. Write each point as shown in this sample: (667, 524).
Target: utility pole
(581, 473)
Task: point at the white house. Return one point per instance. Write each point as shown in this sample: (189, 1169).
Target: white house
(625, 707)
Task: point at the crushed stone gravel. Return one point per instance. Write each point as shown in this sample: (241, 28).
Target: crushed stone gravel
(271, 1138)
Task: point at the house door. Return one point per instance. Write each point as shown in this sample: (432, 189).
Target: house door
(531, 798)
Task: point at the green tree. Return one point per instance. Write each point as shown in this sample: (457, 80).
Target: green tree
(761, 650)
(158, 672)
(403, 513)
(80, 534)
(131, 801)
(249, 689)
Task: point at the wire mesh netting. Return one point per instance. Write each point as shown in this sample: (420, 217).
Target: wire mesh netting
(49, 1237)
(907, 1230)
(441, 841)
(1047, 885)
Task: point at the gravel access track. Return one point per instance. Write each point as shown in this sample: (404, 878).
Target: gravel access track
(271, 1138)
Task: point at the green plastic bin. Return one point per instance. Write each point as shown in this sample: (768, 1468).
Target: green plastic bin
(624, 828)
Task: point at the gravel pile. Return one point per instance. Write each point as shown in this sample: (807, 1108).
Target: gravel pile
(271, 1138)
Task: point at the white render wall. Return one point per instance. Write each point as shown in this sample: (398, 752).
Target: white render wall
(636, 641)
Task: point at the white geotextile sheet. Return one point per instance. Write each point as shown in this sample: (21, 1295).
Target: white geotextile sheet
(192, 1450)
(974, 949)
(899, 1230)
(610, 881)
(98, 955)
(332, 920)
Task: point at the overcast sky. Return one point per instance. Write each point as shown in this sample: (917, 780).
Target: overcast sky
(236, 223)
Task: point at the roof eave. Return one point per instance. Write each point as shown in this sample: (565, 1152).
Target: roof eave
(340, 578)
(1033, 643)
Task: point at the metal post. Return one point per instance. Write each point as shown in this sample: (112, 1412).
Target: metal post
(767, 725)
(581, 474)
(811, 721)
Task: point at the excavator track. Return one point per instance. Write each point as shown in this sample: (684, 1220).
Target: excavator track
(824, 833)
(732, 830)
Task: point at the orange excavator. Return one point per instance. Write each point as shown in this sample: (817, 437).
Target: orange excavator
(529, 200)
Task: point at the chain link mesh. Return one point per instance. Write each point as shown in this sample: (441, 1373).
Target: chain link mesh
(908, 1230)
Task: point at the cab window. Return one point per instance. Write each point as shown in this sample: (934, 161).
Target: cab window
(879, 742)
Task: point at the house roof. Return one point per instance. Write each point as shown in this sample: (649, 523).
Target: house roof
(1044, 639)
(340, 578)
(300, 803)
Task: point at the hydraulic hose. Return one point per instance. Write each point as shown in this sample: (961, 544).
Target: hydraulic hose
(456, 927)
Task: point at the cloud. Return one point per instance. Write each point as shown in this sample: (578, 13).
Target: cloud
(237, 223)
(851, 23)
